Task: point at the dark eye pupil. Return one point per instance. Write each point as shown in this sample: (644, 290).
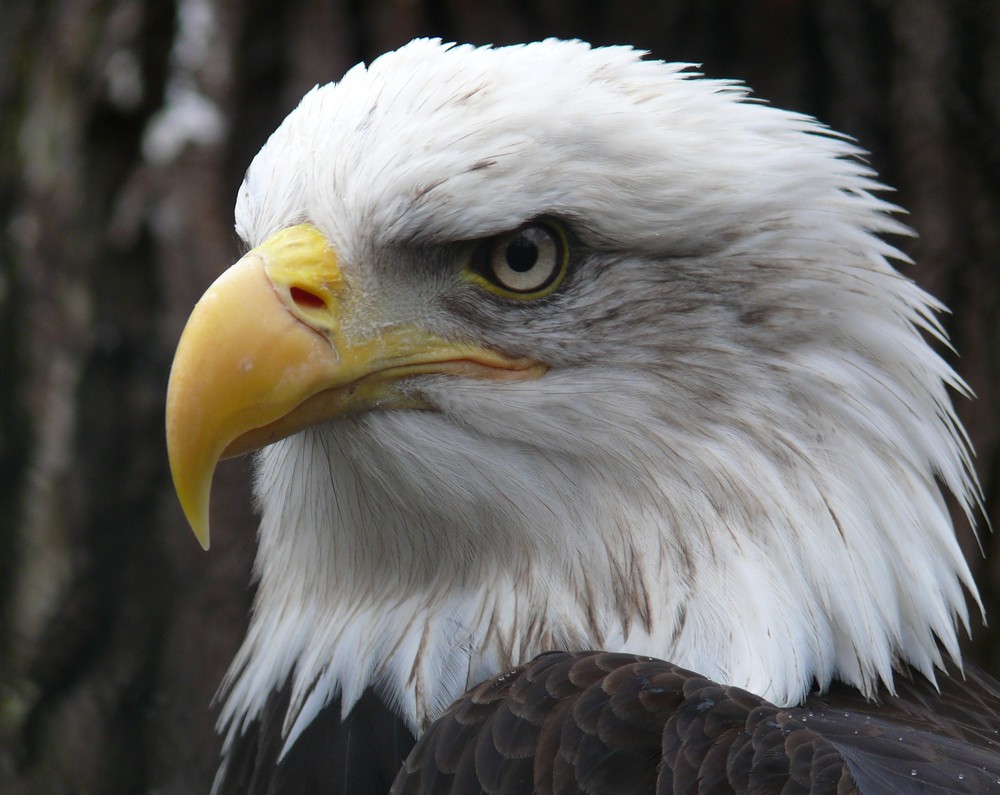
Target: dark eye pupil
(522, 255)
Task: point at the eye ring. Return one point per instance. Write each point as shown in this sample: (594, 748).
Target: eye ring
(527, 262)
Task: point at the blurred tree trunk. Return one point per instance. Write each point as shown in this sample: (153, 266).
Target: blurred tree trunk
(125, 128)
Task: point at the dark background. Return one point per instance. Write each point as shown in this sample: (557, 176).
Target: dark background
(125, 129)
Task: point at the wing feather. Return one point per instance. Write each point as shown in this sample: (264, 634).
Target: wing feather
(600, 722)
(359, 755)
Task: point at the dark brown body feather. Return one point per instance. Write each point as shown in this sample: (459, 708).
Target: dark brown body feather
(599, 722)
(359, 755)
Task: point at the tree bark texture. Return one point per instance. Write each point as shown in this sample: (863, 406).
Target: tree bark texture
(125, 129)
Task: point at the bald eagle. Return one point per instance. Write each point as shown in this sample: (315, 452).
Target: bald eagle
(552, 348)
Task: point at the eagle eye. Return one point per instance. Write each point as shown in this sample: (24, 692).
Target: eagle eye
(527, 262)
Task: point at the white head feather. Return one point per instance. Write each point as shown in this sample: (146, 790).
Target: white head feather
(732, 463)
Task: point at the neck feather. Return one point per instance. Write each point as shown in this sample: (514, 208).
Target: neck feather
(781, 550)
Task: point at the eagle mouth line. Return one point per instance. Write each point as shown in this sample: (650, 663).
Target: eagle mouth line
(381, 390)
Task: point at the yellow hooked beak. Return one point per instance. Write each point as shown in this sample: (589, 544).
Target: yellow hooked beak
(267, 352)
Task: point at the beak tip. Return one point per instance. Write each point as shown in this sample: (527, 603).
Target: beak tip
(201, 532)
(199, 526)
(193, 495)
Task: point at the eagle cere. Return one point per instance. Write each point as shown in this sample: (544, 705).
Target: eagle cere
(551, 347)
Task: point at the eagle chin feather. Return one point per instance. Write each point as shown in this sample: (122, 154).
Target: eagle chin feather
(733, 461)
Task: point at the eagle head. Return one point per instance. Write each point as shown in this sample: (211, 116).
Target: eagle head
(555, 347)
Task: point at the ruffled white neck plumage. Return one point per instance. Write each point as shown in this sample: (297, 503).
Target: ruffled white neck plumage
(765, 510)
(448, 554)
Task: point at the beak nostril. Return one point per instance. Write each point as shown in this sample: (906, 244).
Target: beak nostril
(306, 299)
